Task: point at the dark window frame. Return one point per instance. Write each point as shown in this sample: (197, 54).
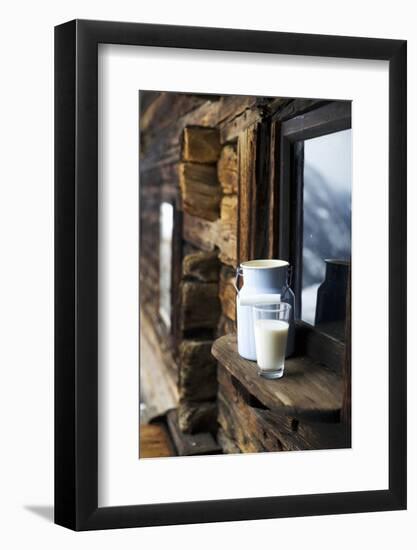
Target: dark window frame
(324, 119)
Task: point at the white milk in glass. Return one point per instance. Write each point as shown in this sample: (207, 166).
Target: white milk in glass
(271, 341)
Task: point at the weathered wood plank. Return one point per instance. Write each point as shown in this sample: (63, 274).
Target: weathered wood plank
(197, 379)
(154, 442)
(225, 326)
(227, 237)
(227, 293)
(200, 305)
(165, 146)
(201, 233)
(227, 170)
(208, 235)
(255, 429)
(227, 443)
(191, 444)
(320, 346)
(228, 212)
(200, 191)
(195, 417)
(201, 144)
(296, 107)
(247, 184)
(158, 369)
(203, 266)
(230, 130)
(166, 108)
(306, 389)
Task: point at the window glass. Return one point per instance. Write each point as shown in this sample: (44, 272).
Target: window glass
(166, 224)
(326, 248)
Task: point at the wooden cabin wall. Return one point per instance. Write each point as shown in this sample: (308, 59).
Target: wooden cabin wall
(188, 155)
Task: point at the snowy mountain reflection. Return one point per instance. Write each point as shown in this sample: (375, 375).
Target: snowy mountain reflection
(326, 233)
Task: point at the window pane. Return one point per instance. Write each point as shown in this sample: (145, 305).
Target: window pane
(166, 224)
(326, 229)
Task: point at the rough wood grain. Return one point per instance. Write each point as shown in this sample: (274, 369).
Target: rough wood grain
(166, 108)
(200, 305)
(230, 130)
(247, 185)
(191, 444)
(201, 144)
(203, 266)
(228, 445)
(158, 369)
(227, 169)
(197, 374)
(228, 212)
(227, 293)
(225, 326)
(255, 429)
(195, 417)
(307, 388)
(200, 191)
(154, 442)
(209, 235)
(200, 233)
(164, 147)
(227, 236)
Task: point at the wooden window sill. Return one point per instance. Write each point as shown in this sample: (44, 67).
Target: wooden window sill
(307, 389)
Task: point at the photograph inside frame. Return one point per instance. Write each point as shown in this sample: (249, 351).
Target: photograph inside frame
(245, 262)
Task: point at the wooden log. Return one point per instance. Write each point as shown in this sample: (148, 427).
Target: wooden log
(201, 233)
(201, 144)
(225, 326)
(203, 266)
(241, 423)
(308, 389)
(154, 441)
(191, 445)
(227, 444)
(231, 129)
(200, 190)
(227, 170)
(227, 244)
(198, 371)
(210, 235)
(255, 429)
(167, 108)
(227, 235)
(295, 107)
(165, 146)
(200, 305)
(228, 212)
(197, 417)
(227, 293)
(247, 186)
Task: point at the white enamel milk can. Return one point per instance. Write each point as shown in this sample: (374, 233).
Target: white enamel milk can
(264, 282)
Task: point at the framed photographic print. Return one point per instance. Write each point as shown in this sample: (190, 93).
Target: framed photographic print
(230, 275)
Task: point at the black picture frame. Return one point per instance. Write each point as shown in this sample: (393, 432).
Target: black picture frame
(76, 270)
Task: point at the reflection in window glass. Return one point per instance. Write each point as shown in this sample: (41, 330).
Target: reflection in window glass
(327, 229)
(166, 224)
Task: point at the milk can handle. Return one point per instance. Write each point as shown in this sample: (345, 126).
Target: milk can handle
(239, 273)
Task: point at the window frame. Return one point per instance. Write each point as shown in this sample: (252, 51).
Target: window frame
(323, 119)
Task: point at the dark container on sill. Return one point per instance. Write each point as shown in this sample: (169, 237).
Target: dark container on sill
(331, 294)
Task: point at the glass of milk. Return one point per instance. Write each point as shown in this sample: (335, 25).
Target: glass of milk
(271, 323)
